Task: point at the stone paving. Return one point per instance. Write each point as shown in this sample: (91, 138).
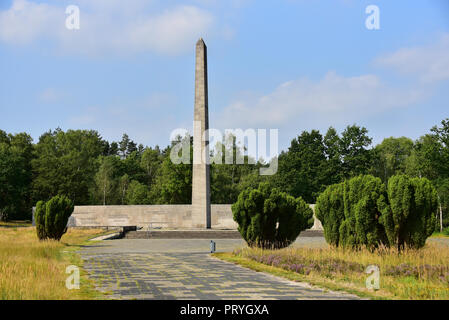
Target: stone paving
(183, 269)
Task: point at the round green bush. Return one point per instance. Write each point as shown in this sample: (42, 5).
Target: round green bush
(408, 215)
(349, 213)
(270, 219)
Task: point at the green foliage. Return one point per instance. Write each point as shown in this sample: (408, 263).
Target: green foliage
(363, 212)
(329, 209)
(269, 218)
(313, 162)
(137, 193)
(173, 184)
(301, 168)
(228, 180)
(446, 231)
(392, 156)
(39, 219)
(361, 225)
(51, 217)
(150, 163)
(349, 214)
(105, 178)
(15, 176)
(427, 159)
(356, 158)
(409, 214)
(442, 186)
(66, 163)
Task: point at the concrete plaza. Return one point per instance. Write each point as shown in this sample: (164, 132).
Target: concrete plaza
(184, 269)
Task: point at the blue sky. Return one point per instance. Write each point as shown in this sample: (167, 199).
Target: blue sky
(293, 65)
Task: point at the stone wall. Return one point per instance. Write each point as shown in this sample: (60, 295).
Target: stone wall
(163, 216)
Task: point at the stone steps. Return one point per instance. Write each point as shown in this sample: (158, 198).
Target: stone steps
(199, 234)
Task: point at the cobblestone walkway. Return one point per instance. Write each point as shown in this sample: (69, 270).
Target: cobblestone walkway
(182, 269)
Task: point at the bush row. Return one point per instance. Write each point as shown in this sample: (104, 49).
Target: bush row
(363, 211)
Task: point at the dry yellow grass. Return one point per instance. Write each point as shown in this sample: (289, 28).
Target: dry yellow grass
(33, 269)
(413, 274)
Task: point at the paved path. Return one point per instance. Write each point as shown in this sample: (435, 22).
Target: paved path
(183, 269)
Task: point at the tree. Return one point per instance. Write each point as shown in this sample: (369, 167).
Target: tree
(66, 163)
(52, 217)
(174, 181)
(123, 145)
(227, 178)
(442, 187)
(132, 147)
(333, 171)
(302, 169)
(356, 158)
(131, 166)
(426, 159)
(113, 149)
(150, 163)
(137, 193)
(408, 214)
(269, 218)
(16, 152)
(442, 135)
(392, 157)
(123, 187)
(105, 178)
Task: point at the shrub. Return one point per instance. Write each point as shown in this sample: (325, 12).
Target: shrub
(329, 210)
(269, 218)
(349, 214)
(39, 220)
(361, 225)
(362, 212)
(409, 214)
(51, 217)
(446, 231)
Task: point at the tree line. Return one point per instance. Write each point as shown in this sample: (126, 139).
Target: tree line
(92, 171)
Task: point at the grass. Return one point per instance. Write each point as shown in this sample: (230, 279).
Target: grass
(31, 269)
(413, 274)
(440, 235)
(444, 234)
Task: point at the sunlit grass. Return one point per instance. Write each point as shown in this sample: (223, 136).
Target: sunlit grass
(33, 269)
(412, 274)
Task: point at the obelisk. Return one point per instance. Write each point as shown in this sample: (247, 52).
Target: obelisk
(201, 211)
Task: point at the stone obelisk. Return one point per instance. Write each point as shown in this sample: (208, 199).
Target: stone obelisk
(201, 211)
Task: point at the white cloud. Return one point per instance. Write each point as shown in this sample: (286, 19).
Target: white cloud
(25, 21)
(334, 99)
(107, 26)
(430, 63)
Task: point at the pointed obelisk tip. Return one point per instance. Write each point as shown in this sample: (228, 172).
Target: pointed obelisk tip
(200, 42)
